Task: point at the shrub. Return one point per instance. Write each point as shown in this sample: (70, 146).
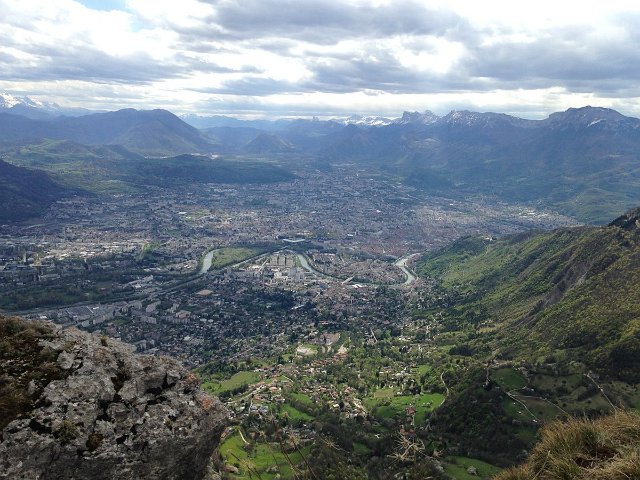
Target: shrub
(605, 449)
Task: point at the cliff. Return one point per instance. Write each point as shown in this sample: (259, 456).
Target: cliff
(73, 405)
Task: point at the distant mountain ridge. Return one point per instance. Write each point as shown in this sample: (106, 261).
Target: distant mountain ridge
(584, 162)
(149, 132)
(113, 168)
(268, 143)
(36, 109)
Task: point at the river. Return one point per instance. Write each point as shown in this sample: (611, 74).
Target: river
(206, 262)
(402, 265)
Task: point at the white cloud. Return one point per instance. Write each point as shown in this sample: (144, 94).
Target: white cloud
(348, 56)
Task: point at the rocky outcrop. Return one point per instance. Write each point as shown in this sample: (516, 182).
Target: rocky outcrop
(111, 414)
(629, 221)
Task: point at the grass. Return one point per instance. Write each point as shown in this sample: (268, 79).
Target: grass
(303, 398)
(307, 349)
(260, 458)
(384, 394)
(361, 449)
(509, 379)
(422, 369)
(456, 467)
(552, 382)
(605, 449)
(385, 404)
(295, 414)
(238, 380)
(226, 256)
(515, 410)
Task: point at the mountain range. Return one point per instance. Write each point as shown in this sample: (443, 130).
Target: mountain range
(36, 109)
(584, 162)
(152, 132)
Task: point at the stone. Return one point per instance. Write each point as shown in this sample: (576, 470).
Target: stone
(65, 360)
(116, 414)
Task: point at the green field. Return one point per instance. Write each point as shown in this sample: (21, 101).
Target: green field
(456, 468)
(361, 449)
(303, 398)
(385, 404)
(422, 369)
(541, 381)
(509, 379)
(223, 257)
(295, 414)
(238, 380)
(261, 460)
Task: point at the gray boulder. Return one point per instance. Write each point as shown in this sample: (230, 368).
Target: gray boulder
(113, 414)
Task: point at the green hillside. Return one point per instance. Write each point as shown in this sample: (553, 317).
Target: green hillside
(569, 294)
(114, 169)
(605, 449)
(26, 193)
(547, 325)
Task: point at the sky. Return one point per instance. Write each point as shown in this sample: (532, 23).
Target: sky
(275, 58)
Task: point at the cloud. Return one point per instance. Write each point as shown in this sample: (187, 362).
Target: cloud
(297, 56)
(327, 21)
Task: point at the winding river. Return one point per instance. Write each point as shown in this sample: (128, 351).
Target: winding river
(400, 263)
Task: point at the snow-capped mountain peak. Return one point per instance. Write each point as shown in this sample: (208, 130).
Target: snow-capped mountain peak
(33, 108)
(11, 101)
(370, 121)
(426, 118)
(8, 101)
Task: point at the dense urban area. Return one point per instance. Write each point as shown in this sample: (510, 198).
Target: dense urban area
(276, 293)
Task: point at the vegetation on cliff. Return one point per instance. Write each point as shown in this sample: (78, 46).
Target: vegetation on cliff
(605, 449)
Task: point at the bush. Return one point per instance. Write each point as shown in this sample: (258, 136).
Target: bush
(603, 449)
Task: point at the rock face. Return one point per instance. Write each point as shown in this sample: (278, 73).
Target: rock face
(112, 414)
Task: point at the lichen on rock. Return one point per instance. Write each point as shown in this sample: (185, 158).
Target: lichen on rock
(108, 413)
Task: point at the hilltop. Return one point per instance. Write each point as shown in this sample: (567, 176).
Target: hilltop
(147, 132)
(26, 192)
